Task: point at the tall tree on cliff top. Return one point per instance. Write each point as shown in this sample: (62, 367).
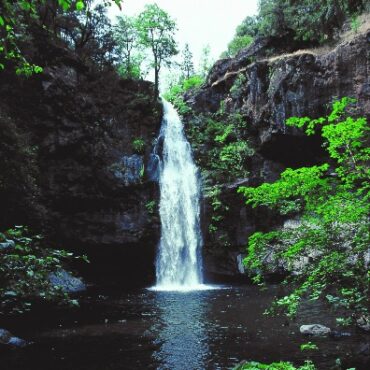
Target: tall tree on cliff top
(156, 31)
(187, 65)
(127, 38)
(205, 62)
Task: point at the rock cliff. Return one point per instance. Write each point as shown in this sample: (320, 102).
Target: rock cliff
(88, 135)
(255, 94)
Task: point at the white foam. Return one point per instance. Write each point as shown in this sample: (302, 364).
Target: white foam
(184, 288)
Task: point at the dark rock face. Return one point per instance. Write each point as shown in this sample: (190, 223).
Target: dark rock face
(290, 85)
(267, 91)
(92, 185)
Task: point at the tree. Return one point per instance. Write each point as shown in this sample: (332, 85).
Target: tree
(249, 26)
(187, 65)
(127, 38)
(89, 33)
(205, 62)
(236, 44)
(18, 16)
(156, 31)
(271, 17)
(308, 21)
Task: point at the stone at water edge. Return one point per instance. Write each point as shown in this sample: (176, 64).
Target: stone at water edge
(314, 329)
(7, 338)
(66, 281)
(7, 244)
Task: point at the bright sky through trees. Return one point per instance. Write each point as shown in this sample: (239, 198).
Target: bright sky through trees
(200, 22)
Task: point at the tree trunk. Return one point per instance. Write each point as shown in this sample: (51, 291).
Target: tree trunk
(156, 78)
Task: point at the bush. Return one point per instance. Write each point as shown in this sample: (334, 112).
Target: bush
(275, 366)
(238, 43)
(176, 93)
(25, 269)
(334, 231)
(308, 20)
(138, 145)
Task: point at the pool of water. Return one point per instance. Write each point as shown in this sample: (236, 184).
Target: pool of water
(189, 330)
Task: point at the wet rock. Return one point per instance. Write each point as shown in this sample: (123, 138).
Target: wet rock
(18, 342)
(364, 349)
(68, 283)
(363, 323)
(7, 338)
(239, 261)
(7, 244)
(129, 170)
(314, 329)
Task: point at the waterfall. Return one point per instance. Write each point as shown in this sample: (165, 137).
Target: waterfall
(178, 265)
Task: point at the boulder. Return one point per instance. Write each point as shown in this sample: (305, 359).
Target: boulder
(129, 169)
(315, 329)
(363, 323)
(7, 338)
(66, 281)
(7, 244)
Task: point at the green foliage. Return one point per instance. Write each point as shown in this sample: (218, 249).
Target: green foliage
(138, 145)
(233, 156)
(344, 321)
(333, 233)
(355, 24)
(151, 207)
(309, 346)
(238, 86)
(221, 152)
(295, 188)
(225, 134)
(142, 171)
(275, 366)
(238, 43)
(175, 93)
(126, 36)
(307, 20)
(244, 36)
(223, 155)
(16, 18)
(25, 269)
(218, 214)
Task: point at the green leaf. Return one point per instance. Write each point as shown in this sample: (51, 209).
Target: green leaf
(80, 5)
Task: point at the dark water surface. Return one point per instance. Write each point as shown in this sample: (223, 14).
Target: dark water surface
(212, 329)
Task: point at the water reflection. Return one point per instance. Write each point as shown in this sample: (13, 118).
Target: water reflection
(181, 331)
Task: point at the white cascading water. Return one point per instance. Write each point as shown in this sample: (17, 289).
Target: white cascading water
(178, 265)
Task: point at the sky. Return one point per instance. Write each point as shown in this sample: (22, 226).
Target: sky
(199, 22)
